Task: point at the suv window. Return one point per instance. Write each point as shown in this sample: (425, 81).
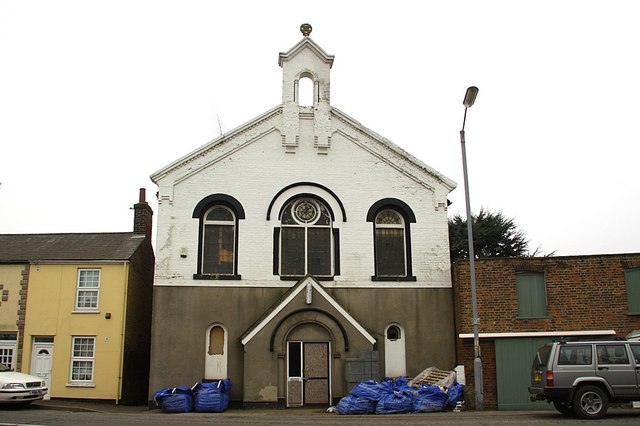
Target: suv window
(635, 349)
(542, 356)
(612, 354)
(575, 355)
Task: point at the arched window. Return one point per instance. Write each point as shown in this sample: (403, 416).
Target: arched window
(218, 245)
(391, 256)
(391, 240)
(393, 333)
(218, 216)
(306, 239)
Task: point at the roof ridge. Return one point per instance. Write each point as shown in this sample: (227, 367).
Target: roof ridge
(68, 233)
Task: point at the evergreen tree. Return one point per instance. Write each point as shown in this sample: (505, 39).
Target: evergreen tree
(494, 235)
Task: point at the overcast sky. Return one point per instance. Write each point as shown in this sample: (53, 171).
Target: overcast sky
(95, 96)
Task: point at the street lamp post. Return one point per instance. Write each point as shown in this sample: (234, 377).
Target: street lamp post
(469, 99)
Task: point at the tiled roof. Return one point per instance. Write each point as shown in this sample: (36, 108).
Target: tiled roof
(61, 247)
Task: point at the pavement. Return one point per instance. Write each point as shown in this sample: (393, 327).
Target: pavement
(83, 405)
(102, 406)
(142, 415)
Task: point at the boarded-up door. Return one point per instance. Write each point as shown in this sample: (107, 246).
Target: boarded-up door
(316, 373)
(513, 371)
(307, 373)
(215, 367)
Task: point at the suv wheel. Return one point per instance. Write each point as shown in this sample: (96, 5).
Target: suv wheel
(561, 406)
(590, 402)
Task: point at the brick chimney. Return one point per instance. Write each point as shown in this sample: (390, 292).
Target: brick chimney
(142, 216)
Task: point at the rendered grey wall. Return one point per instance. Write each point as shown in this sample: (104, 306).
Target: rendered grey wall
(178, 346)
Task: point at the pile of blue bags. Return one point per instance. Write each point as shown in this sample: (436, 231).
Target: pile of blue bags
(395, 396)
(205, 397)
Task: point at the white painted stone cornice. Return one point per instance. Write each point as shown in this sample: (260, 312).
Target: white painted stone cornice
(306, 42)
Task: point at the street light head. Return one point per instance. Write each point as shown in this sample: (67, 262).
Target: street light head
(470, 96)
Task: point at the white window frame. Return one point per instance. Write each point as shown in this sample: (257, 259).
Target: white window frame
(82, 358)
(319, 205)
(229, 223)
(81, 287)
(8, 353)
(401, 226)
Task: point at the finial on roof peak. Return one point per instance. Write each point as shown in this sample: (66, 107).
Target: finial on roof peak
(305, 29)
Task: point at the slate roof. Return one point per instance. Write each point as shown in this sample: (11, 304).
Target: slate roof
(19, 248)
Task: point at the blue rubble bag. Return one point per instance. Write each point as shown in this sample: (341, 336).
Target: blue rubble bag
(212, 397)
(175, 400)
(352, 404)
(370, 390)
(454, 395)
(430, 398)
(395, 403)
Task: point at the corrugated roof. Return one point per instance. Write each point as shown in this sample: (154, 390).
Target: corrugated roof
(80, 247)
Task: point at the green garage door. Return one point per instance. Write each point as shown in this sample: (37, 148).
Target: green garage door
(514, 357)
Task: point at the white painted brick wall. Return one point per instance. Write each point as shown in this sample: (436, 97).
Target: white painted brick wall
(252, 165)
(254, 175)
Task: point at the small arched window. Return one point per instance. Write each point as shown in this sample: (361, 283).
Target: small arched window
(393, 333)
(219, 241)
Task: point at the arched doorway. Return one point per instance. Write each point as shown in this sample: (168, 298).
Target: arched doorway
(216, 353)
(395, 363)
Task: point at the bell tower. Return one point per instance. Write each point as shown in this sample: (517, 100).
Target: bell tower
(306, 60)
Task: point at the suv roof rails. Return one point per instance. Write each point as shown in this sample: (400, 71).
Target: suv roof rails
(589, 339)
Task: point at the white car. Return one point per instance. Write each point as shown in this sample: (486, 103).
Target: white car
(20, 387)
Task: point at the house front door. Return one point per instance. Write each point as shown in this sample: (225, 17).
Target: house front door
(308, 380)
(41, 361)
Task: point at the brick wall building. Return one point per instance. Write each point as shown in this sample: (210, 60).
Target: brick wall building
(523, 302)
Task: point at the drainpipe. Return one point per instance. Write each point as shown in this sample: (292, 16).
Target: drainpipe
(125, 275)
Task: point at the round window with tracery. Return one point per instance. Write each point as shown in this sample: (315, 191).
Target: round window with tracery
(305, 211)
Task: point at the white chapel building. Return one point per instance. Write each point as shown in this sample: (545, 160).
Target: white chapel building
(299, 254)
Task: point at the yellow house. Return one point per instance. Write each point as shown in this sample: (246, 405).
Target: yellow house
(10, 285)
(85, 319)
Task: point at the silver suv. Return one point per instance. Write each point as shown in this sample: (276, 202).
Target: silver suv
(582, 377)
